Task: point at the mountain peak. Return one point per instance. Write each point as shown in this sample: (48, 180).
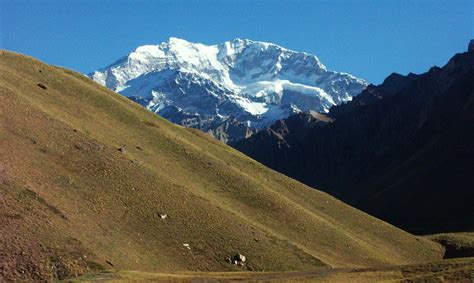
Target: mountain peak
(179, 43)
(241, 41)
(176, 39)
(254, 82)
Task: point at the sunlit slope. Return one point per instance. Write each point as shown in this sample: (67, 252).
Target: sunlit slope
(86, 173)
(451, 270)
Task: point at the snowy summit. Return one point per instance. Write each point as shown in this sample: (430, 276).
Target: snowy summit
(247, 82)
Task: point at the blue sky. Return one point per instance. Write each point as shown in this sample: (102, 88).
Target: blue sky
(369, 39)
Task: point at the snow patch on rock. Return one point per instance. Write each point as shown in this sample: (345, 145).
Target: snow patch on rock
(254, 82)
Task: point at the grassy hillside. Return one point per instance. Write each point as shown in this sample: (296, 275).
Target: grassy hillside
(86, 173)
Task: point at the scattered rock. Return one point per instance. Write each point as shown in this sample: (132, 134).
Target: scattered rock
(121, 149)
(187, 246)
(109, 263)
(238, 259)
(138, 147)
(42, 86)
(162, 216)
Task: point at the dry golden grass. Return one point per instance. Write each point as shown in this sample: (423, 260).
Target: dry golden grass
(70, 198)
(454, 270)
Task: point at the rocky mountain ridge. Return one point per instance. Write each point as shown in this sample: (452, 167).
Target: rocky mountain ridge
(401, 151)
(249, 82)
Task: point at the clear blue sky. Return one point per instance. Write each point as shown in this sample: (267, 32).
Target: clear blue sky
(369, 39)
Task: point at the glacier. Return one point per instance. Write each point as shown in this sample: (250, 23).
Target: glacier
(239, 83)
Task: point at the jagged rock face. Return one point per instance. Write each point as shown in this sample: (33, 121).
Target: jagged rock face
(401, 151)
(255, 83)
(471, 45)
(230, 131)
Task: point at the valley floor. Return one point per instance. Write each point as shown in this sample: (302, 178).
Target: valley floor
(451, 270)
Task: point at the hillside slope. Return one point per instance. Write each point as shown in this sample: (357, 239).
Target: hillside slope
(402, 151)
(86, 176)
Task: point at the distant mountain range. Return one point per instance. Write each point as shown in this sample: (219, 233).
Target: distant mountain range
(402, 151)
(230, 89)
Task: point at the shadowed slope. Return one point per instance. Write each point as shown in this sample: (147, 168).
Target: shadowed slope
(86, 173)
(455, 244)
(401, 151)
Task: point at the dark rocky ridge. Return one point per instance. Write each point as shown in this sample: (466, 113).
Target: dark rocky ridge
(402, 151)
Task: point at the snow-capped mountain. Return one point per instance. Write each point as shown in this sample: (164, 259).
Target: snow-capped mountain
(203, 86)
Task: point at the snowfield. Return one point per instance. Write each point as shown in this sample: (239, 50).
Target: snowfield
(254, 82)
